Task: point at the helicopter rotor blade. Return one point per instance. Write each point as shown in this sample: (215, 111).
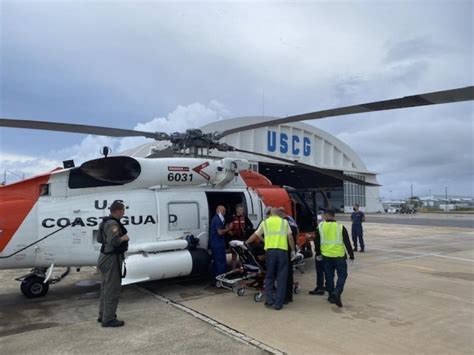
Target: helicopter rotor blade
(329, 172)
(431, 98)
(79, 128)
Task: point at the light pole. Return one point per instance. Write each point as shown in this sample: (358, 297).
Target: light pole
(446, 198)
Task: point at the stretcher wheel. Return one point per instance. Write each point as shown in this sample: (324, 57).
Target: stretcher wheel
(296, 289)
(241, 291)
(257, 297)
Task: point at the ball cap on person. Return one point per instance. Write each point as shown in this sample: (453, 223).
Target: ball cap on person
(331, 211)
(117, 205)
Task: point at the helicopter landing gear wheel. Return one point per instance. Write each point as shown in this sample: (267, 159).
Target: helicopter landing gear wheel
(34, 286)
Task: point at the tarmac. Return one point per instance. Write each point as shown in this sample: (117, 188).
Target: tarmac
(410, 292)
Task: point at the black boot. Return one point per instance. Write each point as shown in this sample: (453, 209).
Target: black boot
(317, 291)
(337, 300)
(99, 319)
(114, 323)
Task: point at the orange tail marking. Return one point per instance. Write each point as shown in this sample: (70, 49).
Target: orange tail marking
(16, 202)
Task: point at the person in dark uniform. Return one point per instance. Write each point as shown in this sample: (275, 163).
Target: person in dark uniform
(357, 218)
(294, 231)
(318, 263)
(240, 229)
(331, 242)
(114, 239)
(218, 233)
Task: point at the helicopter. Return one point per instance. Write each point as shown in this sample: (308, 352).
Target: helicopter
(51, 220)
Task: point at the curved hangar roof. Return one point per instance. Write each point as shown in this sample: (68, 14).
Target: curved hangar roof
(299, 141)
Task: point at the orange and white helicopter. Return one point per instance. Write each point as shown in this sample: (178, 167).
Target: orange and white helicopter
(51, 220)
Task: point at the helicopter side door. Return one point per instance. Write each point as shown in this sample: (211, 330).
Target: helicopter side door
(183, 213)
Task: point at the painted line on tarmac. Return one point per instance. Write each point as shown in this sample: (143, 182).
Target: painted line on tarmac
(453, 257)
(419, 255)
(415, 267)
(216, 324)
(393, 239)
(431, 245)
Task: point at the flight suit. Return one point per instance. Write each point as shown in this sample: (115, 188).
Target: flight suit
(110, 265)
(217, 246)
(357, 231)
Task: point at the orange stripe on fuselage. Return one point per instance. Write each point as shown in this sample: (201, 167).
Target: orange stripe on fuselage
(16, 202)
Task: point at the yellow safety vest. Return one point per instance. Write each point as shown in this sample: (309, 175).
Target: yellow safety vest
(275, 230)
(332, 244)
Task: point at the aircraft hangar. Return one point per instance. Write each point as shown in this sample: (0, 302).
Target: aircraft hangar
(308, 145)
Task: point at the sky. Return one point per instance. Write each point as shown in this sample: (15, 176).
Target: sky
(168, 66)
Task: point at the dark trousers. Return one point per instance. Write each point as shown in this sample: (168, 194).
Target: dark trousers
(358, 234)
(219, 266)
(110, 266)
(289, 281)
(276, 262)
(332, 265)
(319, 273)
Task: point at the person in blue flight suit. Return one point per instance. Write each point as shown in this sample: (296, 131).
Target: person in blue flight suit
(357, 218)
(218, 233)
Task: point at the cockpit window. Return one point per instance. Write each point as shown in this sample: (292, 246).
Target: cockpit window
(44, 190)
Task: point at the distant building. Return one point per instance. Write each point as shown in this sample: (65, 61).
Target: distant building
(447, 203)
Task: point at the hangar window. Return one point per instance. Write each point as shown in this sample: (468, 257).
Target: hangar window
(354, 193)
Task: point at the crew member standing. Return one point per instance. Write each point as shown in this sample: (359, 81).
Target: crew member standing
(240, 229)
(330, 239)
(357, 218)
(217, 242)
(294, 231)
(277, 239)
(318, 263)
(113, 236)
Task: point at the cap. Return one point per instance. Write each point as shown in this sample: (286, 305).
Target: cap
(117, 205)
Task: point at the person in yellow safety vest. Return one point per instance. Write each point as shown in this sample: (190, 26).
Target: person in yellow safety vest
(277, 237)
(331, 242)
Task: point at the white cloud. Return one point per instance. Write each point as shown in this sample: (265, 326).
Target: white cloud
(181, 119)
